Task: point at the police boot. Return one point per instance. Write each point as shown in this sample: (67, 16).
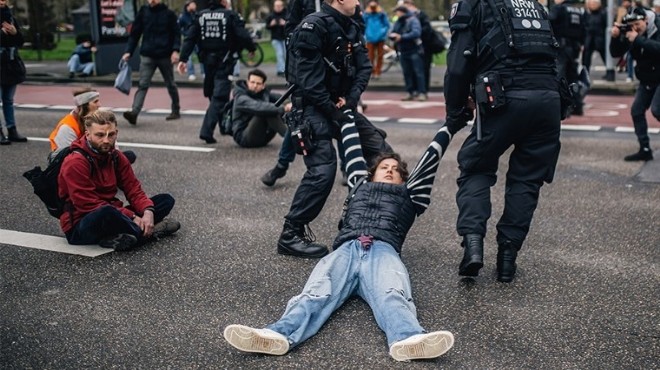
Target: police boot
(644, 154)
(3, 138)
(15, 136)
(473, 255)
(271, 176)
(506, 261)
(294, 241)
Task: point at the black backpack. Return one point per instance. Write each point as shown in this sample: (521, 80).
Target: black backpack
(227, 118)
(45, 182)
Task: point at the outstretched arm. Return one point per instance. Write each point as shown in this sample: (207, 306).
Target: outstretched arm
(356, 166)
(420, 181)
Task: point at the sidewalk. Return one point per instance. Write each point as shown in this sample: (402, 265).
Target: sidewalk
(57, 72)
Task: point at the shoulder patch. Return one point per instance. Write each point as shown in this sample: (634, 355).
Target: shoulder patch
(454, 9)
(307, 26)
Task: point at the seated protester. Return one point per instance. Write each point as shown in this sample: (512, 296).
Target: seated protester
(256, 119)
(88, 183)
(71, 126)
(366, 259)
(81, 59)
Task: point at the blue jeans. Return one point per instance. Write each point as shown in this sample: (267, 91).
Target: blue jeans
(646, 96)
(376, 274)
(8, 92)
(190, 65)
(287, 152)
(280, 52)
(147, 69)
(108, 221)
(414, 76)
(75, 66)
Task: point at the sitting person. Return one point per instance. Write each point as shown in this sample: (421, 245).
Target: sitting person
(71, 126)
(88, 183)
(81, 59)
(256, 118)
(366, 259)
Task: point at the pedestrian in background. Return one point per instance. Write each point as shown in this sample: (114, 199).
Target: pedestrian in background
(161, 40)
(642, 42)
(596, 27)
(427, 34)
(518, 104)
(186, 20)
(12, 71)
(82, 60)
(376, 27)
(407, 33)
(220, 35)
(275, 24)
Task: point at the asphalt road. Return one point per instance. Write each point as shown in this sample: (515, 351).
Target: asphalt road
(586, 295)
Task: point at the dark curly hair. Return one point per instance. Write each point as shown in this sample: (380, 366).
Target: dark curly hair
(402, 168)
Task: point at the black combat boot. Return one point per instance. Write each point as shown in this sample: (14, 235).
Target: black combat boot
(295, 242)
(473, 255)
(14, 136)
(506, 261)
(644, 154)
(271, 176)
(3, 138)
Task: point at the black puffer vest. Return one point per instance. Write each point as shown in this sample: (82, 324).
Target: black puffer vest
(384, 211)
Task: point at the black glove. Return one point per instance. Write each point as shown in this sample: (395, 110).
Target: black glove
(341, 117)
(350, 104)
(456, 121)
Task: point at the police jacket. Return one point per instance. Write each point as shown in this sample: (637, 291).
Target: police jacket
(158, 28)
(248, 104)
(384, 211)
(568, 21)
(217, 31)
(511, 37)
(328, 60)
(645, 50)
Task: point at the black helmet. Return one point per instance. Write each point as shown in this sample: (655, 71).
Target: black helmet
(637, 14)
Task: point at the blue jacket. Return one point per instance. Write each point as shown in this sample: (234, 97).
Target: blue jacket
(410, 29)
(376, 24)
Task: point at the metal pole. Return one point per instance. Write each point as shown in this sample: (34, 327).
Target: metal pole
(609, 63)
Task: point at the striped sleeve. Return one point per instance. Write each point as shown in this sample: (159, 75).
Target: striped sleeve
(356, 166)
(420, 181)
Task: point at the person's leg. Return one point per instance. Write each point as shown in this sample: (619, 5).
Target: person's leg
(407, 66)
(147, 70)
(378, 58)
(280, 55)
(74, 64)
(163, 204)
(630, 66)
(8, 92)
(371, 50)
(427, 60)
(88, 68)
(276, 124)
(419, 73)
(218, 88)
(166, 68)
(331, 283)
(641, 103)
(254, 134)
(105, 222)
(190, 67)
(384, 284)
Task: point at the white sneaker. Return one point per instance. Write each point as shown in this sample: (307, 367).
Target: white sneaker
(249, 339)
(628, 79)
(192, 78)
(429, 345)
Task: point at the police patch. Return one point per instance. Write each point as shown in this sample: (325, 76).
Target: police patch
(307, 26)
(454, 9)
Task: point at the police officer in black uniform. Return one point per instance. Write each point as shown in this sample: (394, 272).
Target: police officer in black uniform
(219, 34)
(328, 64)
(568, 21)
(502, 55)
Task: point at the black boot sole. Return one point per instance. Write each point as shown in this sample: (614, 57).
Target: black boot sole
(472, 268)
(284, 251)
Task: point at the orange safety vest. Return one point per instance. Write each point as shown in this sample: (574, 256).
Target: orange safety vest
(68, 120)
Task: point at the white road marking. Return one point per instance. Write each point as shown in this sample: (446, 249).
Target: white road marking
(580, 127)
(150, 146)
(378, 119)
(631, 129)
(49, 243)
(425, 121)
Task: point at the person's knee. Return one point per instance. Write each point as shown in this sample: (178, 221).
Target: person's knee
(655, 111)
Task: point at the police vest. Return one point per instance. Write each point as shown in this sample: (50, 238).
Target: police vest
(524, 32)
(384, 211)
(337, 48)
(570, 23)
(214, 26)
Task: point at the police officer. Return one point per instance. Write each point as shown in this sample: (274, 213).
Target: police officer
(505, 50)
(219, 33)
(569, 25)
(328, 63)
(641, 38)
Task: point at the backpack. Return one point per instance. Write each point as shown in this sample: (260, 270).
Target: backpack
(432, 40)
(227, 118)
(45, 182)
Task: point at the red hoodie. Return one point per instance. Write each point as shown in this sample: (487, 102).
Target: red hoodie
(90, 189)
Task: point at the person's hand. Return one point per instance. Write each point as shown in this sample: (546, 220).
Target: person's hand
(146, 223)
(126, 57)
(287, 107)
(8, 28)
(94, 49)
(272, 22)
(631, 35)
(340, 103)
(282, 22)
(395, 36)
(181, 68)
(175, 57)
(615, 32)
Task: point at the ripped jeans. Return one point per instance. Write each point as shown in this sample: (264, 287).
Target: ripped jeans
(376, 274)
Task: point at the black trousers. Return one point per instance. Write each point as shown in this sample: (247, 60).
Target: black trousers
(530, 122)
(217, 88)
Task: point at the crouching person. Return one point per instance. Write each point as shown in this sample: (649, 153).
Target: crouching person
(366, 260)
(88, 183)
